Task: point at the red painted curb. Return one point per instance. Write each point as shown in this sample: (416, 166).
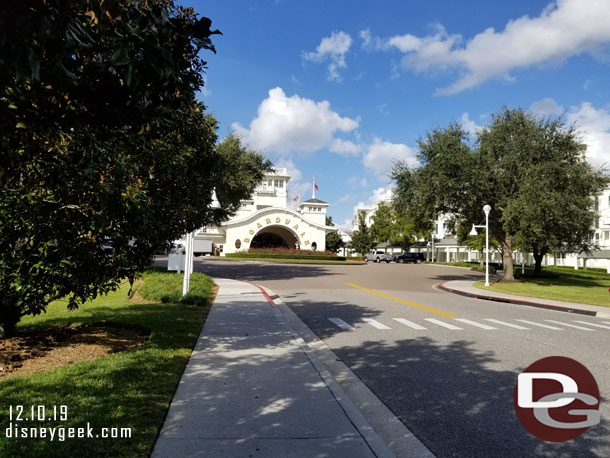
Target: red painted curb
(262, 291)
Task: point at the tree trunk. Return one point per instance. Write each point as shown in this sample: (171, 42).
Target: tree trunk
(507, 257)
(9, 317)
(538, 257)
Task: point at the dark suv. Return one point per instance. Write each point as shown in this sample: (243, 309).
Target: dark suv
(416, 258)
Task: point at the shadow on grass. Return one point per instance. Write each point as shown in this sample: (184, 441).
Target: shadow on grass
(130, 389)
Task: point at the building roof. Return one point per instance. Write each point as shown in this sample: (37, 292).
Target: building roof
(598, 254)
(314, 201)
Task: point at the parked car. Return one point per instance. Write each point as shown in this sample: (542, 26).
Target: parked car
(378, 256)
(416, 258)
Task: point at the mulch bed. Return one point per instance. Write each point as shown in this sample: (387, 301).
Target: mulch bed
(42, 348)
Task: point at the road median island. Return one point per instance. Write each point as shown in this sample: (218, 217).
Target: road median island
(128, 388)
(589, 286)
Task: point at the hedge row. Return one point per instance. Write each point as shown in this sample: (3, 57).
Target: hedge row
(285, 256)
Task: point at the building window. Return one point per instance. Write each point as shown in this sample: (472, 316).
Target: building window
(238, 244)
(596, 203)
(314, 246)
(279, 183)
(204, 230)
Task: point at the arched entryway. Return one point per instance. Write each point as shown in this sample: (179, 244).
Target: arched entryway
(274, 237)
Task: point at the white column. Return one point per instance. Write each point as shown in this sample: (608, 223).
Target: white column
(188, 263)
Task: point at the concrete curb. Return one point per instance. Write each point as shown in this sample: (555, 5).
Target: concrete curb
(385, 434)
(541, 305)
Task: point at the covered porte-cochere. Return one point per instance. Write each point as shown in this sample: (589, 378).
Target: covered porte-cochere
(272, 228)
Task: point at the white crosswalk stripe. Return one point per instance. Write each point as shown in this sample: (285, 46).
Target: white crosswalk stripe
(592, 324)
(556, 325)
(375, 323)
(510, 325)
(342, 324)
(570, 325)
(541, 325)
(442, 323)
(410, 324)
(474, 323)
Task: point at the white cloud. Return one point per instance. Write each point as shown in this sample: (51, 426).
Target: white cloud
(381, 156)
(372, 43)
(357, 181)
(294, 124)
(383, 109)
(296, 185)
(345, 147)
(380, 194)
(333, 48)
(594, 123)
(344, 199)
(547, 107)
(565, 28)
(469, 125)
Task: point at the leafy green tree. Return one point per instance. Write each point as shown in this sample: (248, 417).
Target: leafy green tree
(476, 242)
(103, 139)
(524, 167)
(362, 240)
(334, 241)
(395, 227)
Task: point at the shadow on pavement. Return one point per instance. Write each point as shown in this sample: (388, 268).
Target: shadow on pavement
(454, 402)
(251, 271)
(450, 395)
(250, 390)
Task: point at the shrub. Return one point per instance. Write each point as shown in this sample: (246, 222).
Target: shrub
(166, 287)
(258, 255)
(290, 251)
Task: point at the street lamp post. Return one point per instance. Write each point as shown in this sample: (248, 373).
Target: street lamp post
(486, 209)
(433, 237)
(188, 256)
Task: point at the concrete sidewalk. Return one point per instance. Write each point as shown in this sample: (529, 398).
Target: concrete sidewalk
(253, 389)
(467, 288)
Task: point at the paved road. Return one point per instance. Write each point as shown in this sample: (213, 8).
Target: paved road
(446, 365)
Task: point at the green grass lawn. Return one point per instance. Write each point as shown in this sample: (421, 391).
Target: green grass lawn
(130, 389)
(559, 283)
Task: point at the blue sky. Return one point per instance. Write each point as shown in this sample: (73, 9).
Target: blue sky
(341, 89)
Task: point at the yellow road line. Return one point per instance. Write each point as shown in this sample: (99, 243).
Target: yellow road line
(403, 301)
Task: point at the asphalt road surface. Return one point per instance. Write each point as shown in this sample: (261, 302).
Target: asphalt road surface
(446, 365)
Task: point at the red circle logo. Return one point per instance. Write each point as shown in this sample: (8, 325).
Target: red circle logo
(556, 399)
